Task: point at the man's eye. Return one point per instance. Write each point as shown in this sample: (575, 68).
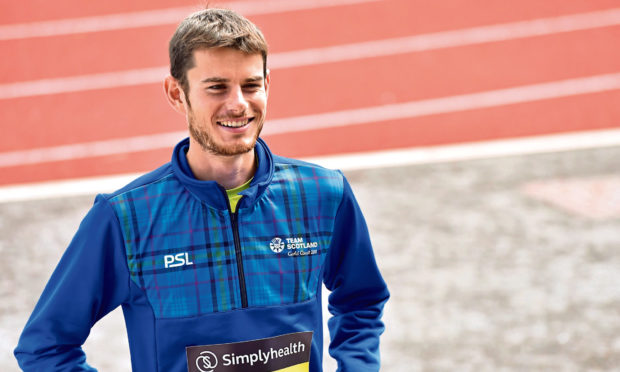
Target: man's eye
(252, 86)
(217, 87)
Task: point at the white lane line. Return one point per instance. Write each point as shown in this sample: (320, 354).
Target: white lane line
(407, 110)
(339, 53)
(474, 150)
(56, 189)
(155, 17)
(91, 149)
(83, 83)
(369, 160)
(377, 114)
(449, 39)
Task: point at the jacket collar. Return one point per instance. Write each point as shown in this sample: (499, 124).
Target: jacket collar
(213, 194)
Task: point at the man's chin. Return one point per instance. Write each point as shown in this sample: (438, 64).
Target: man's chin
(224, 147)
(230, 149)
(234, 152)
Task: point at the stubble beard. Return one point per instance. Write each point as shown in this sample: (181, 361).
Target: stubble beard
(209, 145)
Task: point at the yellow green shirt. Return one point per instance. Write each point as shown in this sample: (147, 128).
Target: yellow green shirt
(233, 194)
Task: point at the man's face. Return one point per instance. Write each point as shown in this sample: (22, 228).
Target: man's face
(227, 100)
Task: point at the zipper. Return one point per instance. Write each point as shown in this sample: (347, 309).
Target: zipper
(234, 220)
(243, 289)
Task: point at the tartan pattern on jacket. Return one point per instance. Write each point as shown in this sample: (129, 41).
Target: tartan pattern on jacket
(299, 205)
(163, 218)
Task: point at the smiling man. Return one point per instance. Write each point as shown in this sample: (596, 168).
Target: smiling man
(225, 102)
(218, 257)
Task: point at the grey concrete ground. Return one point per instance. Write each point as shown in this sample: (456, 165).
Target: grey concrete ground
(483, 276)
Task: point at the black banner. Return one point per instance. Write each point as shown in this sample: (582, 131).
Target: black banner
(290, 352)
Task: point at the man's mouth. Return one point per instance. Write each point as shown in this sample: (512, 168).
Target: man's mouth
(235, 123)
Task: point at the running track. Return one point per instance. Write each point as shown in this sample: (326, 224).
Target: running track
(81, 94)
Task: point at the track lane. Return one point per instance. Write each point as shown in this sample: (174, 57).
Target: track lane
(128, 111)
(89, 53)
(564, 115)
(80, 54)
(343, 118)
(112, 50)
(395, 18)
(569, 114)
(85, 116)
(422, 12)
(332, 54)
(443, 72)
(98, 166)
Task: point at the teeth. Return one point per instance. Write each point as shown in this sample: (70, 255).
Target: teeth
(234, 124)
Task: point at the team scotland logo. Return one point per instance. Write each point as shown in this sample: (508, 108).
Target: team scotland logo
(297, 246)
(276, 245)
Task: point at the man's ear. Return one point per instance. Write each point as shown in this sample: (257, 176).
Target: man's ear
(267, 82)
(175, 95)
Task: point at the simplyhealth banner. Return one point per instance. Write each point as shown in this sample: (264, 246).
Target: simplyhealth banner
(285, 353)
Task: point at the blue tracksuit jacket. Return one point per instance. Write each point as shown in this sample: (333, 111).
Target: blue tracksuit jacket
(187, 271)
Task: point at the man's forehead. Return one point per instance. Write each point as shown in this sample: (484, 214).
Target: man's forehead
(226, 53)
(222, 62)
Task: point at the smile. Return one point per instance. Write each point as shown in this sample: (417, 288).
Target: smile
(235, 123)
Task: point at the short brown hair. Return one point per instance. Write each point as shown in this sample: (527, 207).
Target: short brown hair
(212, 28)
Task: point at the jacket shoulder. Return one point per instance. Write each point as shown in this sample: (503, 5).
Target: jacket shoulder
(283, 162)
(306, 168)
(309, 176)
(146, 179)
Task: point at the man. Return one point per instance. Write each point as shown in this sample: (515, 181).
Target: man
(217, 257)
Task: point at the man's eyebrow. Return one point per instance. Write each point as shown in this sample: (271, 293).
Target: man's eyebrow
(215, 80)
(254, 79)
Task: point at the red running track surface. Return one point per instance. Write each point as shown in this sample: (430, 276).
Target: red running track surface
(42, 121)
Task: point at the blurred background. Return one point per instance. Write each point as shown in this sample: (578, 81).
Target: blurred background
(482, 140)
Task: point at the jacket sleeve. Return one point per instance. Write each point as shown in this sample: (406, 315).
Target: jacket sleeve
(358, 292)
(90, 280)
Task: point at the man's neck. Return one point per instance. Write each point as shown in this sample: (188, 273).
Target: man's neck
(228, 171)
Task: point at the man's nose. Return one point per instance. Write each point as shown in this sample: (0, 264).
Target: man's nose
(236, 102)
